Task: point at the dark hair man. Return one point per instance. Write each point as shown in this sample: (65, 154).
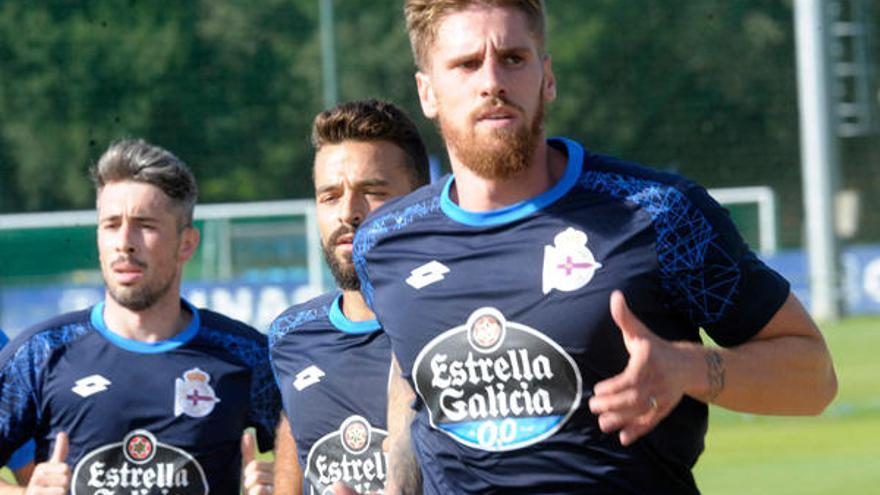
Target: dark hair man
(330, 356)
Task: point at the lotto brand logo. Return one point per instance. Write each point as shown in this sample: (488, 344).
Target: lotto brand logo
(497, 385)
(90, 385)
(352, 454)
(427, 274)
(308, 377)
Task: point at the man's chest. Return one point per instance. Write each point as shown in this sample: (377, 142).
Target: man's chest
(326, 378)
(101, 396)
(552, 276)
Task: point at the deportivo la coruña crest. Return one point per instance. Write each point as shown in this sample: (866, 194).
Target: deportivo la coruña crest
(141, 465)
(193, 394)
(568, 263)
(497, 385)
(352, 454)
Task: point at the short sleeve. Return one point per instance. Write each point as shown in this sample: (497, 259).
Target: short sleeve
(21, 457)
(720, 283)
(265, 402)
(18, 407)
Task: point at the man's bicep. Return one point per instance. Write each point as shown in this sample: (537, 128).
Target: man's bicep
(790, 320)
(400, 397)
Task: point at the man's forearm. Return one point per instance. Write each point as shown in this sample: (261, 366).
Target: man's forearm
(288, 474)
(780, 371)
(404, 477)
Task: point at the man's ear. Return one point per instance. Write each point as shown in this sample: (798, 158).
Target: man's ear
(189, 241)
(426, 94)
(549, 80)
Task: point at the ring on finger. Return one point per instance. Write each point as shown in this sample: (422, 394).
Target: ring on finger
(652, 401)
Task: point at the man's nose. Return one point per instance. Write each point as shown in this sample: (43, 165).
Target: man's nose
(124, 238)
(353, 210)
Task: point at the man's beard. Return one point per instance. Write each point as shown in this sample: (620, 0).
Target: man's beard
(506, 154)
(138, 298)
(344, 273)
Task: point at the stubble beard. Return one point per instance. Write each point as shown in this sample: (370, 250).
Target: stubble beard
(343, 270)
(505, 153)
(139, 298)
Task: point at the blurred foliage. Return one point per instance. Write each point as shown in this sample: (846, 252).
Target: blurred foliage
(704, 88)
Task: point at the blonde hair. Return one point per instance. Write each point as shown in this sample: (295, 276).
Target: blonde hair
(424, 16)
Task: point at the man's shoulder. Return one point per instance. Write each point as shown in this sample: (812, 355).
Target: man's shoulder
(629, 172)
(220, 322)
(658, 190)
(40, 340)
(57, 330)
(233, 336)
(299, 315)
(400, 213)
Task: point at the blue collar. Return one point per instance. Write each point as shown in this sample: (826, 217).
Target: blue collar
(523, 208)
(343, 324)
(97, 319)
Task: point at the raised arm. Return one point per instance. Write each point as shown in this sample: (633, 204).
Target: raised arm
(404, 477)
(785, 369)
(50, 477)
(288, 473)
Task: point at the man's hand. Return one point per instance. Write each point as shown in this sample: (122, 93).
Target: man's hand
(53, 476)
(650, 386)
(257, 475)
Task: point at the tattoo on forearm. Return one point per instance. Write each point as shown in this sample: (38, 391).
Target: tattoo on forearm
(715, 374)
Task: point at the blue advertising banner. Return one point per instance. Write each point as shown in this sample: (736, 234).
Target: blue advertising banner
(259, 303)
(255, 303)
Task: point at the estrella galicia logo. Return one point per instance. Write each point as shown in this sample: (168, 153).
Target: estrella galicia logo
(352, 454)
(139, 464)
(497, 385)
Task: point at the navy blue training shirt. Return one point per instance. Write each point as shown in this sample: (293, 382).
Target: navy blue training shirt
(501, 321)
(151, 418)
(333, 375)
(25, 454)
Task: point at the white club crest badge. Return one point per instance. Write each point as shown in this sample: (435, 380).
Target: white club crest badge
(568, 264)
(192, 394)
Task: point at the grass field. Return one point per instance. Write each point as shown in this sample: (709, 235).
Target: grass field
(836, 453)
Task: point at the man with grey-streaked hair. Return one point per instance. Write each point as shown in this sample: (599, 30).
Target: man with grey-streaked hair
(136, 160)
(142, 391)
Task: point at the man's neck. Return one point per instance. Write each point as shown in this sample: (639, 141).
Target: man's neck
(475, 193)
(161, 321)
(354, 307)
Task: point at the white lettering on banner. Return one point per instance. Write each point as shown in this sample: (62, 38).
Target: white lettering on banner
(270, 304)
(76, 299)
(198, 298)
(256, 306)
(872, 280)
(239, 307)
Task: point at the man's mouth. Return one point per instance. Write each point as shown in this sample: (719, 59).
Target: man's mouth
(345, 239)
